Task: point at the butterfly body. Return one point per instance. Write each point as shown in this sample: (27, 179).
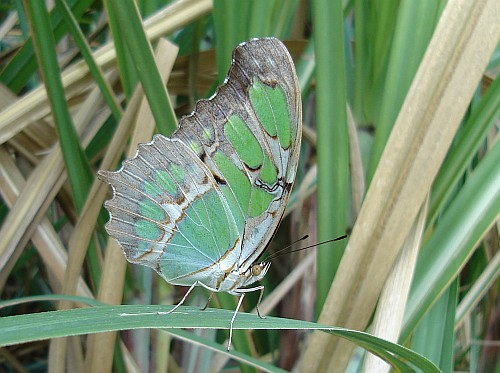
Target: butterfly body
(200, 207)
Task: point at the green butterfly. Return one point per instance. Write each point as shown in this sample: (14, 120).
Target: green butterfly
(200, 207)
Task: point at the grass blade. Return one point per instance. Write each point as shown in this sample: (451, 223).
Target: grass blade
(77, 166)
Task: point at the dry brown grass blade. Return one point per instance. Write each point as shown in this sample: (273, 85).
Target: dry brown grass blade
(33, 107)
(11, 183)
(358, 181)
(388, 318)
(45, 238)
(9, 23)
(458, 53)
(35, 139)
(75, 79)
(100, 348)
(41, 188)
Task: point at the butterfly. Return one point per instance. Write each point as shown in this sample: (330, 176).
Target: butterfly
(201, 206)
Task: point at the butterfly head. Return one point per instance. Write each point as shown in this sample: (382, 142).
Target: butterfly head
(256, 272)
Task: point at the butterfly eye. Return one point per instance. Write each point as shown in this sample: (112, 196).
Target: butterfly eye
(256, 269)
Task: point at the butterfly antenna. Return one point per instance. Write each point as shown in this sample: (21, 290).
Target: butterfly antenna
(281, 251)
(278, 253)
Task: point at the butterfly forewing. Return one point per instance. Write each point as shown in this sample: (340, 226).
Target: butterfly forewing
(249, 135)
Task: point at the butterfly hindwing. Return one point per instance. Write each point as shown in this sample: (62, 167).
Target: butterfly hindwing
(168, 212)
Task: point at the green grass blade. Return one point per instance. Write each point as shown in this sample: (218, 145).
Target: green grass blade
(79, 171)
(128, 73)
(94, 69)
(247, 20)
(394, 72)
(132, 31)
(333, 143)
(468, 141)
(51, 298)
(45, 325)
(435, 333)
(230, 24)
(473, 211)
(485, 282)
(281, 25)
(372, 34)
(209, 345)
(20, 69)
(448, 348)
(305, 67)
(260, 22)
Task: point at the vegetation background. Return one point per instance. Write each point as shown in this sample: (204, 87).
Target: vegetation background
(401, 126)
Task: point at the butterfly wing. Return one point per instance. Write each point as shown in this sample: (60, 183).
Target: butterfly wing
(209, 199)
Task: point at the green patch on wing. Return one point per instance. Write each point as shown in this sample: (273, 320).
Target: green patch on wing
(166, 182)
(252, 201)
(177, 172)
(271, 107)
(268, 173)
(243, 141)
(207, 134)
(213, 235)
(194, 146)
(151, 210)
(147, 230)
(234, 207)
(236, 179)
(259, 202)
(152, 189)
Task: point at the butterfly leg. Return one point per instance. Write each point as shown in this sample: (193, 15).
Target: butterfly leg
(232, 320)
(258, 302)
(184, 297)
(242, 293)
(261, 288)
(208, 301)
(212, 290)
